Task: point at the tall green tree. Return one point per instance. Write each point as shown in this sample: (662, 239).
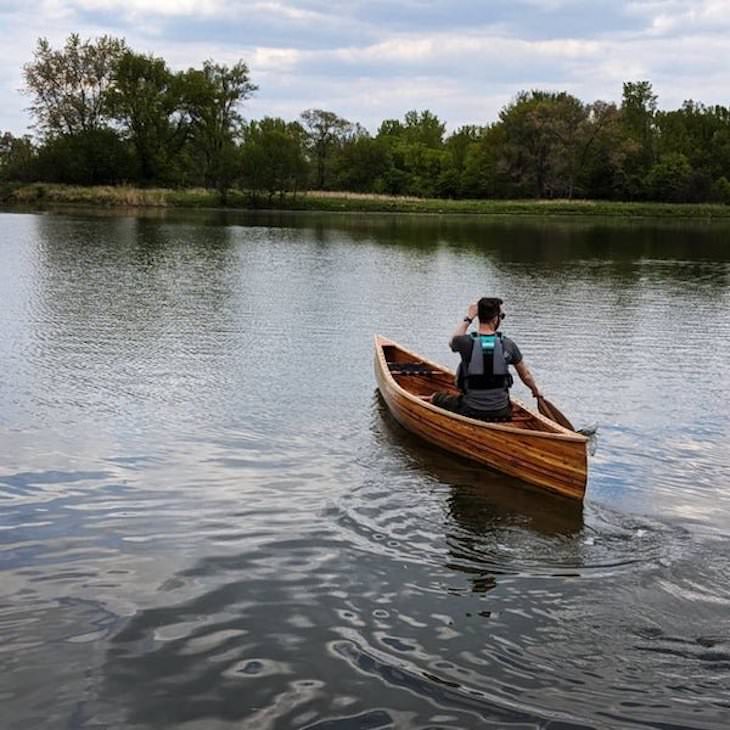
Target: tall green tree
(603, 168)
(424, 128)
(146, 98)
(326, 132)
(531, 143)
(273, 156)
(638, 110)
(457, 145)
(639, 107)
(212, 97)
(418, 153)
(579, 129)
(70, 87)
(702, 135)
(486, 173)
(363, 164)
(549, 138)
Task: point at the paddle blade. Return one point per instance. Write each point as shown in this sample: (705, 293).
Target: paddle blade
(549, 410)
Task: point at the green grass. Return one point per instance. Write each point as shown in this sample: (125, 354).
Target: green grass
(42, 194)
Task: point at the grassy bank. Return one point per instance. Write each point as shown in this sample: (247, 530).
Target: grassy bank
(41, 194)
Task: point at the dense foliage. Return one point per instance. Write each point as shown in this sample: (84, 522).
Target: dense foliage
(105, 115)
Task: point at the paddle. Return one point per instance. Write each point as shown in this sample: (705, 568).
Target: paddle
(549, 410)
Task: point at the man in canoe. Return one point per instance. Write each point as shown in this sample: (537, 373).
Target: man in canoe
(483, 373)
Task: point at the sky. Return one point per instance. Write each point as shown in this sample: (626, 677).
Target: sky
(374, 60)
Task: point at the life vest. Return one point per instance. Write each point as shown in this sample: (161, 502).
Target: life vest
(487, 368)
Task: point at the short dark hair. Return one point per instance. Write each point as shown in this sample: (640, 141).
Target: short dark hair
(488, 308)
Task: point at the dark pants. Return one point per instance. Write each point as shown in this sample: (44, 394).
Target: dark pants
(455, 403)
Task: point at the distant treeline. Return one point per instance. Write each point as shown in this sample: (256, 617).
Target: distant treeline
(104, 114)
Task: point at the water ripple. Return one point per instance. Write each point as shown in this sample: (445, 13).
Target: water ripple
(209, 520)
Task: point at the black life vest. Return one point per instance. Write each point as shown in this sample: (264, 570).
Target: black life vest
(487, 368)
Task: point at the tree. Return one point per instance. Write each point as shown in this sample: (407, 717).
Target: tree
(603, 169)
(639, 106)
(424, 128)
(459, 142)
(700, 133)
(578, 128)
(147, 99)
(457, 147)
(363, 164)
(17, 158)
(485, 173)
(529, 123)
(638, 110)
(390, 128)
(273, 156)
(720, 191)
(70, 87)
(326, 132)
(211, 98)
(549, 138)
(418, 153)
(669, 180)
(424, 166)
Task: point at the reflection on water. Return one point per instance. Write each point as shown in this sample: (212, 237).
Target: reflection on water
(209, 520)
(482, 500)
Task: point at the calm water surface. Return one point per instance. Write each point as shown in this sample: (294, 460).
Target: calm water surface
(208, 521)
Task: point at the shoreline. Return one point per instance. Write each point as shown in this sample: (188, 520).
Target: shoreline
(40, 195)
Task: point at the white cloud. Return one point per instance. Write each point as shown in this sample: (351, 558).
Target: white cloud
(316, 53)
(268, 60)
(221, 9)
(672, 17)
(159, 7)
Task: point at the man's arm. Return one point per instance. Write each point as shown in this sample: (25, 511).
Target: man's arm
(526, 377)
(463, 326)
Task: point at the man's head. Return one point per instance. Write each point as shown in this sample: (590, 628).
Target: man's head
(488, 308)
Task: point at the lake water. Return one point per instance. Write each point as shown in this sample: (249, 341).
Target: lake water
(208, 521)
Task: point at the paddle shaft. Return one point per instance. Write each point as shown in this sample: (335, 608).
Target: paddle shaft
(551, 411)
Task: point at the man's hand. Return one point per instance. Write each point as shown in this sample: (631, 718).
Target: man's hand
(463, 326)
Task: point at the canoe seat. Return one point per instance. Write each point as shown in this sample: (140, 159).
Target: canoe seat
(411, 368)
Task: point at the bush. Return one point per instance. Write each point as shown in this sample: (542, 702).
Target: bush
(94, 157)
(669, 180)
(17, 158)
(720, 192)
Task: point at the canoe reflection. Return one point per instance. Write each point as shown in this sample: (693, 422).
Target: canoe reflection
(495, 525)
(481, 499)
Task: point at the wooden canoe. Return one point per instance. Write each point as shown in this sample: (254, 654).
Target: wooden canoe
(531, 447)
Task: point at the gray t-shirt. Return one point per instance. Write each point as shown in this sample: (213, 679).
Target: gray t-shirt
(491, 399)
